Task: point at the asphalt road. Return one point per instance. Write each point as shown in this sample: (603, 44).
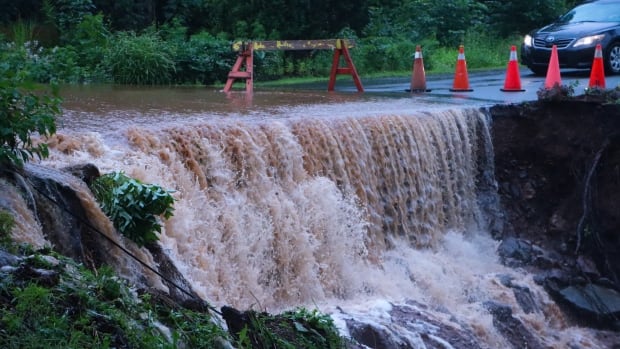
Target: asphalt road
(486, 86)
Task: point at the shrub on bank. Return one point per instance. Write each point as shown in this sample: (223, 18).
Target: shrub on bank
(50, 301)
(24, 112)
(134, 207)
(203, 59)
(56, 303)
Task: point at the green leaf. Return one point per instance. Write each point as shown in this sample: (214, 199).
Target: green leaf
(133, 207)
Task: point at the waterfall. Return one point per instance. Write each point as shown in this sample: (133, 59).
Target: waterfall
(382, 218)
(289, 211)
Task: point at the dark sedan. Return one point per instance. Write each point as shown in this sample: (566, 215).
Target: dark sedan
(576, 35)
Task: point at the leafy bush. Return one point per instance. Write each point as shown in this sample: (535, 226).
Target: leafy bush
(378, 54)
(141, 60)
(133, 207)
(91, 40)
(23, 112)
(26, 58)
(204, 59)
(300, 328)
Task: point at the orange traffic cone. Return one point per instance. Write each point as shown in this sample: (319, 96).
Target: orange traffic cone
(553, 71)
(597, 75)
(461, 80)
(418, 78)
(512, 83)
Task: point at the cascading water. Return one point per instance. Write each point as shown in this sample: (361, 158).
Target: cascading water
(359, 212)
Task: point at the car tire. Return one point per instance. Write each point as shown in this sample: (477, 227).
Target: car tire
(539, 71)
(612, 59)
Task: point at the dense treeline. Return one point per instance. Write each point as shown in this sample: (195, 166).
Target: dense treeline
(187, 41)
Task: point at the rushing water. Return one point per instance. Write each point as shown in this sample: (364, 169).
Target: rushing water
(316, 199)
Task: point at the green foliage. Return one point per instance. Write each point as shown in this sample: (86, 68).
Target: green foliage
(22, 32)
(34, 63)
(510, 17)
(133, 207)
(319, 325)
(203, 59)
(91, 40)
(141, 59)
(187, 41)
(482, 50)
(297, 329)
(86, 309)
(24, 112)
(379, 54)
(7, 222)
(195, 329)
(66, 15)
(445, 21)
(557, 92)
(25, 58)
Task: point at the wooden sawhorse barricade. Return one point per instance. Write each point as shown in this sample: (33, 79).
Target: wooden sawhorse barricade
(244, 66)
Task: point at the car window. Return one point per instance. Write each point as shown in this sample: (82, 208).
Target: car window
(593, 12)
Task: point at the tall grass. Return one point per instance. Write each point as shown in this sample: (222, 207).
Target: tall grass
(141, 60)
(482, 51)
(23, 32)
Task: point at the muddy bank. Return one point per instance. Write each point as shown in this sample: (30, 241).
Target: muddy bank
(558, 172)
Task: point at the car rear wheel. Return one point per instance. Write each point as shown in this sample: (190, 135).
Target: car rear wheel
(612, 59)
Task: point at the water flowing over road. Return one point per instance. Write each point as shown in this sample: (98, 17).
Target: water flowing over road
(359, 204)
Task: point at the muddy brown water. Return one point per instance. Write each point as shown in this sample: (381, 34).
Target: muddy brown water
(113, 108)
(305, 197)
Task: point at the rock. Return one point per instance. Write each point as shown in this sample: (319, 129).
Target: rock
(557, 223)
(515, 252)
(374, 336)
(86, 172)
(525, 299)
(74, 225)
(236, 320)
(43, 277)
(409, 325)
(511, 328)
(593, 300)
(587, 266)
(7, 259)
(505, 279)
(522, 294)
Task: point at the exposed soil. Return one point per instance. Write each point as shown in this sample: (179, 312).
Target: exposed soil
(558, 171)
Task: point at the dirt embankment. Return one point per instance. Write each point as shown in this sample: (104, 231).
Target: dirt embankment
(558, 171)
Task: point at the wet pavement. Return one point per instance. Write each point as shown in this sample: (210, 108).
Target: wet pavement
(486, 86)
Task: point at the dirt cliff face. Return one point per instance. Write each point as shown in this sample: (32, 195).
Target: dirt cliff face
(558, 171)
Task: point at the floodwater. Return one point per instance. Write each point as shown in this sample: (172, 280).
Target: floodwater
(108, 107)
(350, 202)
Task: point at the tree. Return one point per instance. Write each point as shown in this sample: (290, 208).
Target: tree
(12, 10)
(519, 17)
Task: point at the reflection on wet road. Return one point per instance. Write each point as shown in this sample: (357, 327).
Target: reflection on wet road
(110, 109)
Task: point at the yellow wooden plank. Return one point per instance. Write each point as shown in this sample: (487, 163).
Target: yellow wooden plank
(291, 45)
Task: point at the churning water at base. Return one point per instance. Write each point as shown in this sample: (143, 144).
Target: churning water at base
(351, 213)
